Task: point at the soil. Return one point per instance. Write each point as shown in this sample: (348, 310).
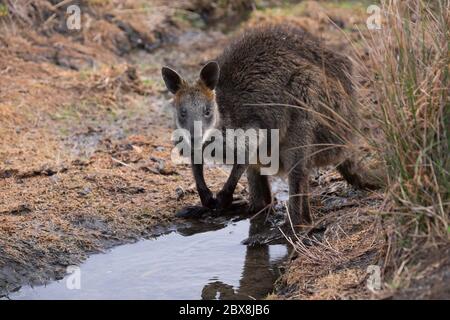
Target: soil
(85, 154)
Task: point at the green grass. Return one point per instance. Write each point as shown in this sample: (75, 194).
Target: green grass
(189, 19)
(349, 4)
(67, 112)
(299, 9)
(3, 10)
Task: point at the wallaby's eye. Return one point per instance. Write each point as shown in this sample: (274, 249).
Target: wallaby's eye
(207, 112)
(183, 112)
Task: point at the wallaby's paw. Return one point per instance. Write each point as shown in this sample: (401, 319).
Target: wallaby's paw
(237, 206)
(258, 207)
(209, 202)
(224, 200)
(192, 212)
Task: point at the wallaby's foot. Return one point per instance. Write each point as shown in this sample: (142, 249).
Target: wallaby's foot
(305, 219)
(208, 200)
(259, 204)
(291, 226)
(298, 205)
(223, 200)
(192, 212)
(258, 208)
(238, 206)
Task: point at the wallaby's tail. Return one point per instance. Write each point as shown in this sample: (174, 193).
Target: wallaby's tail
(361, 176)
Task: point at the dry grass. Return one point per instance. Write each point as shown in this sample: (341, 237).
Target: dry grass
(85, 157)
(410, 81)
(407, 76)
(403, 80)
(334, 265)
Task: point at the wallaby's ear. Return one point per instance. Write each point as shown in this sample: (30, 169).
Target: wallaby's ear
(172, 79)
(210, 74)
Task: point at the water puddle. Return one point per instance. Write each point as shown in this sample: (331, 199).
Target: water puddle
(194, 263)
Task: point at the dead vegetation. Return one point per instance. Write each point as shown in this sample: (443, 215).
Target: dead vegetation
(333, 264)
(84, 162)
(403, 74)
(410, 65)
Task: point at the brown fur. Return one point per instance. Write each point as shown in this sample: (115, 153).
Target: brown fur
(280, 77)
(208, 93)
(283, 65)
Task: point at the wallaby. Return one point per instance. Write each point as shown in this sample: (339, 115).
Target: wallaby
(274, 77)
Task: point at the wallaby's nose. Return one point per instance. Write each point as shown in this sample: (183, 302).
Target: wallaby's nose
(197, 134)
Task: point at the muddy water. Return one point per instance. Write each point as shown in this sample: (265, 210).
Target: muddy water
(189, 264)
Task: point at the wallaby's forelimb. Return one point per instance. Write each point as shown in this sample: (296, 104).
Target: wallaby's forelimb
(205, 194)
(225, 196)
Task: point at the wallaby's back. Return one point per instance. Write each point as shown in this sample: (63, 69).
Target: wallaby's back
(272, 51)
(268, 68)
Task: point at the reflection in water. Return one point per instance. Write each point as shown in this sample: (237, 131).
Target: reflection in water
(258, 277)
(204, 260)
(259, 273)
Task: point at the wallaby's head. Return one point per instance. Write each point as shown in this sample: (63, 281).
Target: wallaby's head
(194, 102)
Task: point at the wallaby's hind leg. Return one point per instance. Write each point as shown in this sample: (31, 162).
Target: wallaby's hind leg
(299, 210)
(259, 189)
(357, 176)
(306, 210)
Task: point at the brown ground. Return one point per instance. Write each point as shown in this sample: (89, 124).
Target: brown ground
(85, 149)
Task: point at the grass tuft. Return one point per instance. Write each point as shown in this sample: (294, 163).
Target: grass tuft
(409, 76)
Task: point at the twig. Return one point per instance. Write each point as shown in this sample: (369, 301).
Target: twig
(123, 163)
